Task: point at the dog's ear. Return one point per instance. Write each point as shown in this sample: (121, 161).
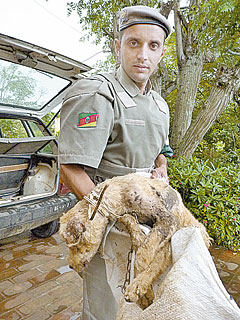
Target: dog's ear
(74, 230)
(75, 226)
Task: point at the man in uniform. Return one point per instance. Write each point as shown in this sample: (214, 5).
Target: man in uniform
(114, 124)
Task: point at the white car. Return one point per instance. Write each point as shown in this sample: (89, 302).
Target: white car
(33, 81)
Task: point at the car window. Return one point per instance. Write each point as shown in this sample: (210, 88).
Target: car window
(16, 128)
(28, 88)
(38, 133)
(35, 129)
(12, 128)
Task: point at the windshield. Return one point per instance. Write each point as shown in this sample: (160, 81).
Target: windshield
(28, 88)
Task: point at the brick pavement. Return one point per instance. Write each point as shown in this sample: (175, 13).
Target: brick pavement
(227, 263)
(36, 282)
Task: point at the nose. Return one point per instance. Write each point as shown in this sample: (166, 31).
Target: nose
(143, 53)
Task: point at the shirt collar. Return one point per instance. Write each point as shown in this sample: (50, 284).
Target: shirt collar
(129, 85)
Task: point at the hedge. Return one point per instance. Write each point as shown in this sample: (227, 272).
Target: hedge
(212, 194)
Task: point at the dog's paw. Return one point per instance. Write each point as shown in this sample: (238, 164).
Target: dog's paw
(136, 290)
(146, 300)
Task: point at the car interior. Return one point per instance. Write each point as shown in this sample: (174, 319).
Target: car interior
(28, 165)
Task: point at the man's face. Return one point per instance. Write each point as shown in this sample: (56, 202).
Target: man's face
(140, 50)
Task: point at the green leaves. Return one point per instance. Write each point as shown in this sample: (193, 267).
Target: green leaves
(219, 26)
(221, 144)
(16, 87)
(212, 194)
(227, 6)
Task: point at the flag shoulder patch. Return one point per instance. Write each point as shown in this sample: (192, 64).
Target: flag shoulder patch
(87, 120)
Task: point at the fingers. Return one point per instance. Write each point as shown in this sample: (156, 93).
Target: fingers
(160, 174)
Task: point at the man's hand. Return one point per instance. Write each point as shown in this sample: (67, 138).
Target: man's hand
(160, 171)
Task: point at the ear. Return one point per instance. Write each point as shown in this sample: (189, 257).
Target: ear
(117, 47)
(162, 54)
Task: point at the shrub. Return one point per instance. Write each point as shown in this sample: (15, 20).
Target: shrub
(212, 194)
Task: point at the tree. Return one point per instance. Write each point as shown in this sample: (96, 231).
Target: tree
(196, 45)
(15, 87)
(221, 144)
(18, 88)
(206, 41)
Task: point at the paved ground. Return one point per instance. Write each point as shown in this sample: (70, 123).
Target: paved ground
(36, 283)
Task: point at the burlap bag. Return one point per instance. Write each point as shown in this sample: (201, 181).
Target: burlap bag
(190, 290)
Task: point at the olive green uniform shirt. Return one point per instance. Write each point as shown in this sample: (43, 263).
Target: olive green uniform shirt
(107, 125)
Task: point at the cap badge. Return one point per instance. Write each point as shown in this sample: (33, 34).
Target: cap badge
(124, 15)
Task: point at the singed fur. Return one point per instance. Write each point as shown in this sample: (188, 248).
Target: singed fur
(130, 199)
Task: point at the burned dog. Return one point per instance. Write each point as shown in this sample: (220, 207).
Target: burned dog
(130, 200)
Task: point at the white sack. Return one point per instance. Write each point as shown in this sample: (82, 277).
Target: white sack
(191, 290)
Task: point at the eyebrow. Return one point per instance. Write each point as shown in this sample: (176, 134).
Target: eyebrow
(137, 39)
(132, 38)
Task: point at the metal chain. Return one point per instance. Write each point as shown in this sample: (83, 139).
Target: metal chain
(128, 272)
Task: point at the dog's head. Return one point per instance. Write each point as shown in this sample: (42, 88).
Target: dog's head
(72, 231)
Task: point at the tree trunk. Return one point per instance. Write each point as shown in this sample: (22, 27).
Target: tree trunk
(188, 80)
(190, 65)
(227, 82)
(162, 82)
